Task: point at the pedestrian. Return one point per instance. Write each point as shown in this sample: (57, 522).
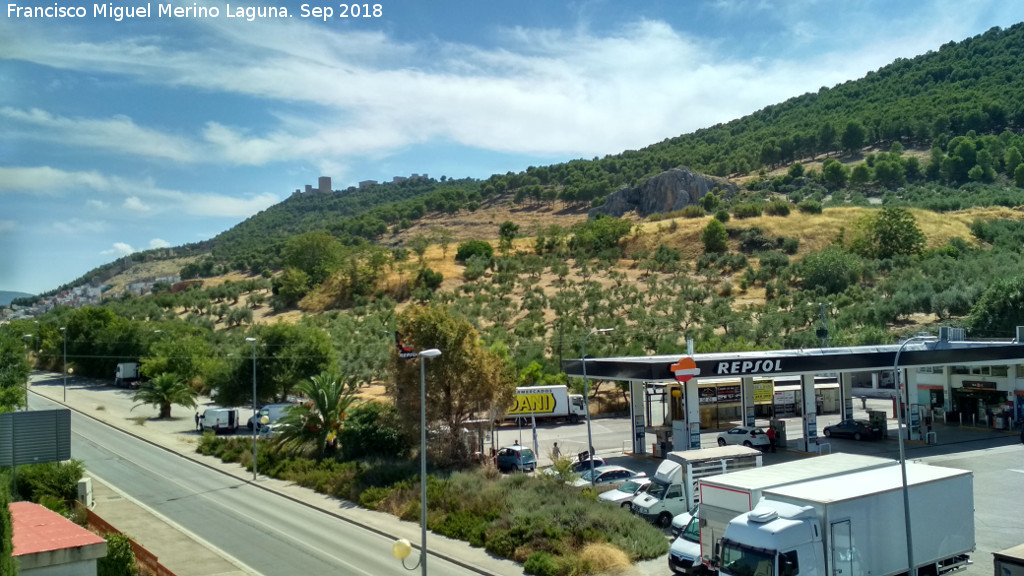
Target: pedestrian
(197, 420)
(516, 443)
(771, 437)
(556, 453)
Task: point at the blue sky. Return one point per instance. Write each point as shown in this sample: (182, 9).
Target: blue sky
(152, 131)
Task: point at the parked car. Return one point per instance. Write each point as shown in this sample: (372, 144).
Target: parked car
(856, 429)
(607, 475)
(749, 436)
(516, 459)
(581, 466)
(679, 521)
(267, 431)
(624, 494)
(272, 412)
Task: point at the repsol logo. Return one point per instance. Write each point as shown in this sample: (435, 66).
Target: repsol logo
(748, 367)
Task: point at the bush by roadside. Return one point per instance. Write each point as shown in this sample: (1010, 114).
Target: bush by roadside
(537, 520)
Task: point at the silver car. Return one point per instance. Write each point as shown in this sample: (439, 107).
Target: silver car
(625, 493)
(610, 475)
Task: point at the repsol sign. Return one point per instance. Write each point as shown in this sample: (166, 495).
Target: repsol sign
(740, 367)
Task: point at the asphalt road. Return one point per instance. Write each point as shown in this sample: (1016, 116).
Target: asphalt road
(261, 530)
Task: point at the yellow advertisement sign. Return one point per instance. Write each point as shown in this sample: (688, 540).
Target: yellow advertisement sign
(540, 402)
(764, 391)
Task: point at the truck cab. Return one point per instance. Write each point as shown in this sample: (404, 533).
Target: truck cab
(773, 539)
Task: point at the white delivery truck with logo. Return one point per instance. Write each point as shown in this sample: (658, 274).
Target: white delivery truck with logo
(546, 402)
(725, 496)
(855, 524)
(674, 486)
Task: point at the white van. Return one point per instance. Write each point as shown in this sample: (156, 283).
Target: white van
(272, 412)
(220, 420)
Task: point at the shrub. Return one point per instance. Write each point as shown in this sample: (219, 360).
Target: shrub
(474, 248)
(832, 269)
(778, 208)
(714, 237)
(693, 211)
(429, 279)
(542, 564)
(58, 480)
(746, 211)
(120, 559)
(722, 215)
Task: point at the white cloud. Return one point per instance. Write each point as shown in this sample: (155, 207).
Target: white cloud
(96, 204)
(140, 195)
(118, 134)
(78, 227)
(159, 243)
(119, 249)
(133, 204)
(227, 206)
(8, 226)
(537, 91)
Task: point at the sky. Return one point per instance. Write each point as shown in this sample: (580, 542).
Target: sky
(123, 130)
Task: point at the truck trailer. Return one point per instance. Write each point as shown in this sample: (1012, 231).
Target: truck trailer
(546, 403)
(674, 486)
(855, 524)
(725, 496)
(127, 375)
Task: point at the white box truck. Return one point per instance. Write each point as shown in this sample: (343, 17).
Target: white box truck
(725, 496)
(220, 420)
(854, 524)
(674, 486)
(546, 402)
(127, 375)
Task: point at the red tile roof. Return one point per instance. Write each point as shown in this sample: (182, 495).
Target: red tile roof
(37, 529)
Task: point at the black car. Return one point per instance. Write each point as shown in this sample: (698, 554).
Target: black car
(856, 429)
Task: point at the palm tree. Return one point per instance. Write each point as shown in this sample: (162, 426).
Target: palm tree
(164, 390)
(316, 422)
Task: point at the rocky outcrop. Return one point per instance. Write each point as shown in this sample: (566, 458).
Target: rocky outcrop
(669, 191)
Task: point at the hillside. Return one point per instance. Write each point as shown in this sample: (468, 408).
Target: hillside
(6, 296)
(939, 134)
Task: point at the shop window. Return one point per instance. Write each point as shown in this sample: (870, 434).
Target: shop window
(999, 371)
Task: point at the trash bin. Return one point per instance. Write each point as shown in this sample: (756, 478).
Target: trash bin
(1000, 423)
(656, 450)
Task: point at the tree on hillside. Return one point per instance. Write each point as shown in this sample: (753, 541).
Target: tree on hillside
(316, 253)
(853, 137)
(715, 237)
(1000, 309)
(834, 173)
(507, 234)
(466, 379)
(443, 237)
(827, 138)
(164, 390)
(890, 232)
(419, 244)
(832, 270)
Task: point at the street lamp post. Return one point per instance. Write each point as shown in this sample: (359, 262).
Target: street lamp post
(428, 353)
(254, 422)
(586, 397)
(28, 351)
(903, 461)
(64, 336)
